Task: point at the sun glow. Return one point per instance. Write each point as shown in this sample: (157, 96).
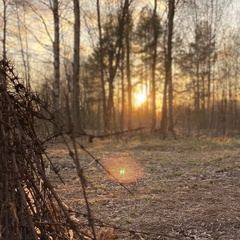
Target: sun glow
(140, 97)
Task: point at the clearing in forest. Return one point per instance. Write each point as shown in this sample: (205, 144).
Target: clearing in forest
(184, 189)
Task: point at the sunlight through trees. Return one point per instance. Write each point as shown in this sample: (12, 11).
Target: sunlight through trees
(85, 62)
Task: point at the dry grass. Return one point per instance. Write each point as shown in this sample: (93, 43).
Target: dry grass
(190, 188)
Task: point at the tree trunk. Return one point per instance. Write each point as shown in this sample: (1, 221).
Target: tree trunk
(104, 103)
(56, 53)
(76, 69)
(164, 118)
(154, 66)
(171, 12)
(4, 30)
(167, 105)
(129, 82)
(122, 121)
(24, 52)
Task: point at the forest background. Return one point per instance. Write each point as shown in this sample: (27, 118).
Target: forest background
(112, 65)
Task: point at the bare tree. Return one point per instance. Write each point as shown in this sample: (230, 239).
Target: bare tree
(128, 63)
(171, 12)
(56, 53)
(167, 110)
(53, 5)
(113, 39)
(4, 29)
(104, 107)
(76, 68)
(155, 41)
(23, 40)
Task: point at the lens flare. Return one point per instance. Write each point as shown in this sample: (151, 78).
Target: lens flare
(122, 169)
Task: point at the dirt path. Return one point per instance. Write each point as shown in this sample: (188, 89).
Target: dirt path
(190, 189)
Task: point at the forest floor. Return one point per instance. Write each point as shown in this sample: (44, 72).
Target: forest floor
(181, 189)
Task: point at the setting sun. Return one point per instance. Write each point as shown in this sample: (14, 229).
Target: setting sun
(140, 97)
